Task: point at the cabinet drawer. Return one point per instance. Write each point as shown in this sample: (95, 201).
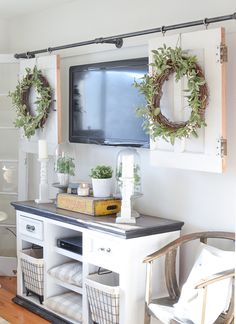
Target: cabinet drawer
(31, 227)
(103, 252)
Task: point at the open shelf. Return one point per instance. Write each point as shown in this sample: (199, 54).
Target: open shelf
(34, 299)
(8, 193)
(69, 254)
(9, 160)
(32, 240)
(66, 285)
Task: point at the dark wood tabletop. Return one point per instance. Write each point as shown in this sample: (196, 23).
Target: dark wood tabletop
(145, 225)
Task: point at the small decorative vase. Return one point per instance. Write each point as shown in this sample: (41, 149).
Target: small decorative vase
(102, 187)
(63, 179)
(9, 175)
(3, 216)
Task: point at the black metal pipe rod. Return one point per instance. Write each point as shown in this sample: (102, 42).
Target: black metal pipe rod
(117, 40)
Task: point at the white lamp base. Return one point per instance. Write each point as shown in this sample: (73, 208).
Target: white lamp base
(127, 215)
(43, 186)
(125, 220)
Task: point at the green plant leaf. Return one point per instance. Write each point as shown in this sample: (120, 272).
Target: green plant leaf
(157, 111)
(101, 172)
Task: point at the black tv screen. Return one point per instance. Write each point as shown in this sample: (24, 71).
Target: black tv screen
(103, 102)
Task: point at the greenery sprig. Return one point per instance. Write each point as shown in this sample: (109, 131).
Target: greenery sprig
(166, 61)
(101, 172)
(25, 118)
(65, 164)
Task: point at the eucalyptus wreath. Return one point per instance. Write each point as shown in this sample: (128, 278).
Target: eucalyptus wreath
(25, 118)
(166, 61)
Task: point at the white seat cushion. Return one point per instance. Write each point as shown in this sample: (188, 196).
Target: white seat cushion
(166, 313)
(163, 313)
(68, 304)
(70, 272)
(209, 262)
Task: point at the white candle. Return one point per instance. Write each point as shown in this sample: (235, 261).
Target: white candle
(43, 149)
(83, 189)
(128, 166)
(84, 185)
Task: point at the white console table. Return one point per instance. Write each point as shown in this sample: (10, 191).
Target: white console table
(117, 247)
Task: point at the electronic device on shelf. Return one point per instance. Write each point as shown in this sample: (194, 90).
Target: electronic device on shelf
(73, 244)
(103, 102)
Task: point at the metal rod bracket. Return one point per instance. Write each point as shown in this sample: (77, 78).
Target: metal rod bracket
(118, 42)
(26, 55)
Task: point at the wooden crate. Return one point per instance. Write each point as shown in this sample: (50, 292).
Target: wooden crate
(89, 205)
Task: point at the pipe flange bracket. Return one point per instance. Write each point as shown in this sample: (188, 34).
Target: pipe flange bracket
(119, 42)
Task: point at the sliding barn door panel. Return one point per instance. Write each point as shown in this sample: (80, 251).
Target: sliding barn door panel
(204, 153)
(50, 67)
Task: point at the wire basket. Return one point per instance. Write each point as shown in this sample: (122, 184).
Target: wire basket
(103, 293)
(32, 265)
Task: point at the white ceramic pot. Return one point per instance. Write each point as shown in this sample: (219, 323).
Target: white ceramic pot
(63, 179)
(102, 187)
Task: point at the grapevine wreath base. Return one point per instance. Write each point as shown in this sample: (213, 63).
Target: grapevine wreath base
(167, 61)
(25, 118)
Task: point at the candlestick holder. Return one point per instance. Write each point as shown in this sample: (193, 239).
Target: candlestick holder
(43, 185)
(126, 215)
(128, 184)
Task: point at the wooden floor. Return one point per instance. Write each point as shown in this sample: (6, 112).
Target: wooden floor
(11, 312)
(8, 283)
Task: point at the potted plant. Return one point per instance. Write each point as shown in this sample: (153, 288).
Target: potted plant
(65, 167)
(101, 180)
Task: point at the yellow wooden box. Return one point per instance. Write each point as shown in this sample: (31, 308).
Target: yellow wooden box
(88, 205)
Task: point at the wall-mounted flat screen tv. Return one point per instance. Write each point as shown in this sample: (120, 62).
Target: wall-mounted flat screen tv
(103, 102)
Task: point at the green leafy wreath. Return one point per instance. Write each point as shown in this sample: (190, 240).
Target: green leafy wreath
(25, 118)
(166, 61)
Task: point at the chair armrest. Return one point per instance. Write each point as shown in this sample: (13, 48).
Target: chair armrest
(163, 251)
(172, 246)
(203, 236)
(216, 277)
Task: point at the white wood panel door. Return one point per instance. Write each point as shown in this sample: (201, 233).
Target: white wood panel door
(9, 136)
(10, 189)
(50, 67)
(202, 153)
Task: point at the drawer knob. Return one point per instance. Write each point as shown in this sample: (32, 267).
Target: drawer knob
(102, 249)
(30, 228)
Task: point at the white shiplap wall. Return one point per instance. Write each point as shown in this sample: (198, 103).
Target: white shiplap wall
(202, 200)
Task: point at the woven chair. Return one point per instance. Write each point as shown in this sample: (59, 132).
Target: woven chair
(170, 252)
